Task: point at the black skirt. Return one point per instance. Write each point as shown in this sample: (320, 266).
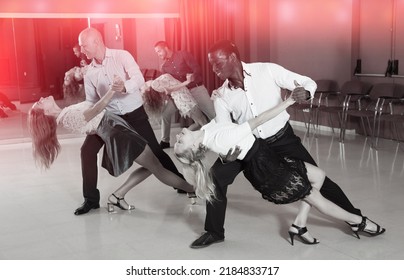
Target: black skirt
(279, 180)
(122, 144)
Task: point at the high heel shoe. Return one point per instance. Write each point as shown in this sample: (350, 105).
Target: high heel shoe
(299, 233)
(357, 228)
(118, 203)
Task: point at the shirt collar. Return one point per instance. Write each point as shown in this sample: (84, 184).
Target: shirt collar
(108, 53)
(246, 71)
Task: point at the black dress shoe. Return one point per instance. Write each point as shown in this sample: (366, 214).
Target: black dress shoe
(164, 145)
(86, 207)
(205, 240)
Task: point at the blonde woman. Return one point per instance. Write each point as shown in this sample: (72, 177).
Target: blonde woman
(279, 180)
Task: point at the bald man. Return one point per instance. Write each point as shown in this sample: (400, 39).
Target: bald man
(110, 66)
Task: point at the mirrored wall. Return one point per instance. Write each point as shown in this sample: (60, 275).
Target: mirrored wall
(35, 54)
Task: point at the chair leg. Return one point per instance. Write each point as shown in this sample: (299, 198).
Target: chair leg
(311, 121)
(331, 123)
(396, 131)
(344, 118)
(317, 117)
(378, 130)
(303, 116)
(340, 122)
(308, 124)
(367, 135)
(364, 127)
(374, 139)
(372, 132)
(312, 117)
(315, 127)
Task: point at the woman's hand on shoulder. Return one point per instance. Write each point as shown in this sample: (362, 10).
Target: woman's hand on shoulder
(231, 155)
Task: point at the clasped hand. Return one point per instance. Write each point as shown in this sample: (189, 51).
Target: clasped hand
(118, 84)
(299, 93)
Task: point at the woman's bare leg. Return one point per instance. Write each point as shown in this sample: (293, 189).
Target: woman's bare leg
(148, 160)
(316, 178)
(135, 178)
(150, 164)
(322, 204)
(330, 209)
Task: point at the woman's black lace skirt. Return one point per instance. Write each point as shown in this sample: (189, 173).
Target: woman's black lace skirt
(279, 180)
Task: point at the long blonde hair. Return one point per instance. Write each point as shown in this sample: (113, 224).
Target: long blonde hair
(193, 164)
(45, 145)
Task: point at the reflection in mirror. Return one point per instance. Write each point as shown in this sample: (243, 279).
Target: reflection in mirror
(10, 120)
(37, 60)
(34, 59)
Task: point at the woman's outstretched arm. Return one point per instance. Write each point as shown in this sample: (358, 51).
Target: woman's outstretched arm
(271, 113)
(99, 106)
(179, 86)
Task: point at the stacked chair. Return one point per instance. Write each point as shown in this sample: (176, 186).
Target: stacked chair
(368, 108)
(333, 103)
(393, 115)
(323, 87)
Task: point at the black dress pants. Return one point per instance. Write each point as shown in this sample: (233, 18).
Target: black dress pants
(138, 119)
(288, 145)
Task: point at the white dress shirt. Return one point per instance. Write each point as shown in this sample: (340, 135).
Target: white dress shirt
(262, 91)
(99, 78)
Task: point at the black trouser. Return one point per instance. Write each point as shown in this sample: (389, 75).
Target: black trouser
(288, 145)
(138, 119)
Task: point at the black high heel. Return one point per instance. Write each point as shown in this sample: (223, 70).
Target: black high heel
(357, 228)
(299, 233)
(118, 203)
